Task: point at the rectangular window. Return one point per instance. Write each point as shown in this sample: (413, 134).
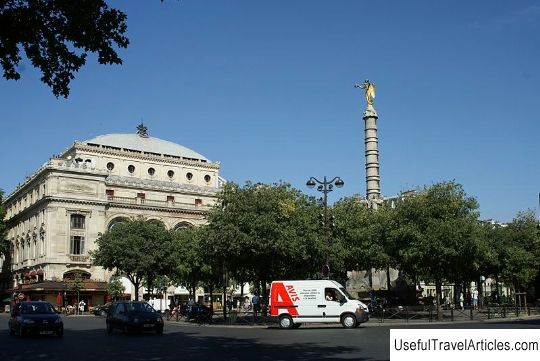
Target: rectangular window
(109, 193)
(198, 201)
(141, 195)
(77, 221)
(170, 198)
(77, 245)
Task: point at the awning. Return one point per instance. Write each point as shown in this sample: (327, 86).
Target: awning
(39, 272)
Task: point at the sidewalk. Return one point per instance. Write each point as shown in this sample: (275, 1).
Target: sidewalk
(248, 322)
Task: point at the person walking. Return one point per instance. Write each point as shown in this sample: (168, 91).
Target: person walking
(256, 301)
(475, 298)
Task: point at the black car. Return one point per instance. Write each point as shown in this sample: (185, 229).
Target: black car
(102, 310)
(35, 317)
(133, 316)
(197, 312)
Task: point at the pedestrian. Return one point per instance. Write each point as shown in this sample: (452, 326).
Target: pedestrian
(475, 298)
(82, 306)
(246, 305)
(255, 300)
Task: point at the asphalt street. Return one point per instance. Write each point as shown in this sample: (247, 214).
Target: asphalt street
(85, 338)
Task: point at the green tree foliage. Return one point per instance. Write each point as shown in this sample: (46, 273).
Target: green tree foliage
(56, 37)
(437, 234)
(138, 248)
(264, 232)
(115, 288)
(519, 251)
(191, 265)
(362, 235)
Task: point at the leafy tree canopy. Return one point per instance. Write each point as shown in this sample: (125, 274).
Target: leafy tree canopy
(266, 232)
(56, 37)
(138, 248)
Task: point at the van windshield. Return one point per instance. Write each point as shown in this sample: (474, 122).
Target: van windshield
(342, 289)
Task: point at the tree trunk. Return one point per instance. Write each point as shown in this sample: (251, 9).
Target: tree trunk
(438, 289)
(388, 285)
(136, 285)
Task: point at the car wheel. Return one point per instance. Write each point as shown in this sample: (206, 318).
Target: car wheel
(159, 330)
(110, 329)
(22, 333)
(348, 321)
(11, 332)
(126, 330)
(60, 333)
(285, 322)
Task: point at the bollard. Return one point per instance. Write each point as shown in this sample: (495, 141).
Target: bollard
(452, 314)
(407, 313)
(489, 313)
(471, 310)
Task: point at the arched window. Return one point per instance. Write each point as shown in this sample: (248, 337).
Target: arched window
(71, 275)
(116, 221)
(182, 225)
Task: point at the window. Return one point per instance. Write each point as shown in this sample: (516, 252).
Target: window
(77, 221)
(76, 245)
(141, 195)
(170, 173)
(170, 198)
(109, 193)
(151, 171)
(110, 166)
(207, 178)
(198, 201)
(189, 176)
(131, 168)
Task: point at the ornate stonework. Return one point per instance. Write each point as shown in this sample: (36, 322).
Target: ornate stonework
(56, 214)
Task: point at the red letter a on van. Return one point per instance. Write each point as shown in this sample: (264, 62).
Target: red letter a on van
(279, 298)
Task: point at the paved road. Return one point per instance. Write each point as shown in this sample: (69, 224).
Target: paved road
(85, 338)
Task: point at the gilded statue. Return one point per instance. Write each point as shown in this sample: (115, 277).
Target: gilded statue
(369, 90)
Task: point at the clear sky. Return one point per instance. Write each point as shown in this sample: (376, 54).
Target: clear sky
(266, 87)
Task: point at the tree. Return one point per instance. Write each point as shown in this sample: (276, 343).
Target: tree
(265, 232)
(138, 248)
(436, 234)
(362, 235)
(76, 286)
(189, 258)
(57, 35)
(115, 288)
(519, 253)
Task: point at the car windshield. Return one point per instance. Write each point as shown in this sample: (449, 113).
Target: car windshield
(342, 289)
(139, 307)
(36, 308)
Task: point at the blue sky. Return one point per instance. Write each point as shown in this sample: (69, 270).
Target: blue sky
(266, 87)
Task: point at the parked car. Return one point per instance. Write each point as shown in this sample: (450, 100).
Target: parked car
(197, 312)
(35, 317)
(133, 316)
(102, 310)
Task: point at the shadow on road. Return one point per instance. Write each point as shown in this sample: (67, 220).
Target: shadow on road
(175, 344)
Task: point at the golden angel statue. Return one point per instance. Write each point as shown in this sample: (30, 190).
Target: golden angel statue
(369, 89)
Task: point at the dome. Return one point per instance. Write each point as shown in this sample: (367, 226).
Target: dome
(147, 144)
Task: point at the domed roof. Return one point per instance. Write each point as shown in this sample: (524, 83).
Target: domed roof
(144, 143)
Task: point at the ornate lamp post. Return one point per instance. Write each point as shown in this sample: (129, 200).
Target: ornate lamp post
(325, 187)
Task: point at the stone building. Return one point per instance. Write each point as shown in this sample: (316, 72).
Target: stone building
(56, 215)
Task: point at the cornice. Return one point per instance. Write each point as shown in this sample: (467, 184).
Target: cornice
(144, 156)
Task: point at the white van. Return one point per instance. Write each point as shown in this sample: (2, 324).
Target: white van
(316, 301)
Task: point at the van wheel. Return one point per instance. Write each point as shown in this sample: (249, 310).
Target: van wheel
(285, 322)
(349, 321)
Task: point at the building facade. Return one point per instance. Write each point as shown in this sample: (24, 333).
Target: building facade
(56, 215)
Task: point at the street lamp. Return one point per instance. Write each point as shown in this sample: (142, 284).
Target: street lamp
(325, 187)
